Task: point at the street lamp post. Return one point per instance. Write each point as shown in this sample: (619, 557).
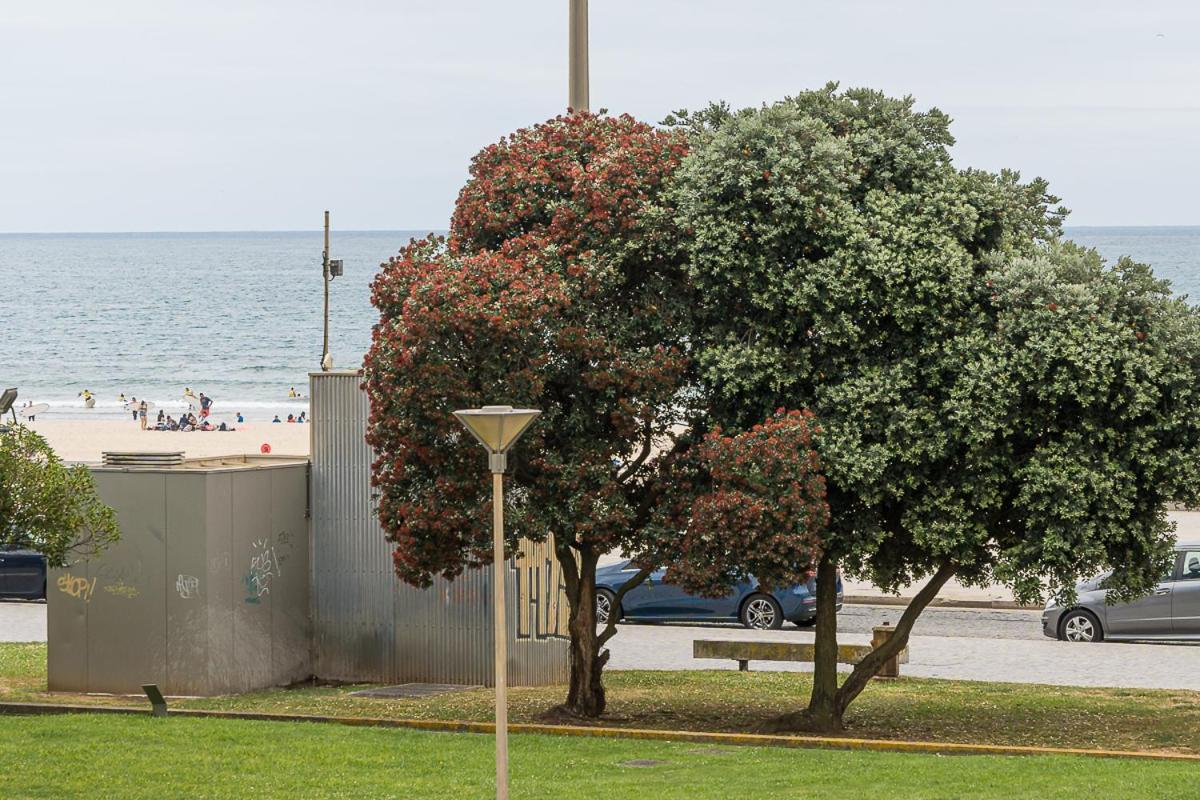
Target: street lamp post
(497, 428)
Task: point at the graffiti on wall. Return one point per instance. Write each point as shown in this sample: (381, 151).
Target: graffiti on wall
(79, 588)
(122, 589)
(541, 603)
(264, 567)
(187, 586)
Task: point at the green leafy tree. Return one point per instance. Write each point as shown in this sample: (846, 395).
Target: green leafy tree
(48, 506)
(563, 286)
(994, 406)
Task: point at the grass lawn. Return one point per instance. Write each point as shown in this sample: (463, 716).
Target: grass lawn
(909, 708)
(139, 757)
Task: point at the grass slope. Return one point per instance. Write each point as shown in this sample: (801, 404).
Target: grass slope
(910, 708)
(138, 757)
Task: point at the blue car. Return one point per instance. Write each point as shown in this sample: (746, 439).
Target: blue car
(22, 573)
(656, 601)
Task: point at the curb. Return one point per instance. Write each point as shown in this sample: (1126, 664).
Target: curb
(937, 602)
(735, 739)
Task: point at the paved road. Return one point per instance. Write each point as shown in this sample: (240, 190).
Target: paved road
(986, 645)
(966, 644)
(21, 621)
(971, 622)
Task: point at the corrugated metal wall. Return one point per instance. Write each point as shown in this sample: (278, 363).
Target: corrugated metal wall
(368, 625)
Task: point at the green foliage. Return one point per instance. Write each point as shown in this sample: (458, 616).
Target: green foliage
(844, 265)
(48, 506)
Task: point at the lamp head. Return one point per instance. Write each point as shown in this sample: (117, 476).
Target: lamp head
(497, 428)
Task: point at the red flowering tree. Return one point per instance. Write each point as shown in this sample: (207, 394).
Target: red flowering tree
(751, 504)
(561, 287)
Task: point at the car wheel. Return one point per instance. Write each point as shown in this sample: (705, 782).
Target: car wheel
(605, 600)
(762, 612)
(1080, 626)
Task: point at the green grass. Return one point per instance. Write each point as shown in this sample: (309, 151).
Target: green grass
(85, 756)
(910, 708)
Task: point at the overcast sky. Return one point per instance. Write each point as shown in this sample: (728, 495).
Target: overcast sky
(253, 115)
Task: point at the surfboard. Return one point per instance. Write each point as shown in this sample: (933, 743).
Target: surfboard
(33, 410)
(135, 405)
(89, 402)
(193, 401)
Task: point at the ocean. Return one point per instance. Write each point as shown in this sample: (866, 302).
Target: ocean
(235, 315)
(238, 315)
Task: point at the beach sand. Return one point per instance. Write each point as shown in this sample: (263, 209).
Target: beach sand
(86, 440)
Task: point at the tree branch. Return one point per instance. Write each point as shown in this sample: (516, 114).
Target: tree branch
(867, 668)
(610, 629)
(647, 447)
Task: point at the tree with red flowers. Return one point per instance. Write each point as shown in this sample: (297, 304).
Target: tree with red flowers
(562, 286)
(747, 504)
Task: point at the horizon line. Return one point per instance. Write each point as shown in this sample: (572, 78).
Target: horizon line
(417, 230)
(245, 230)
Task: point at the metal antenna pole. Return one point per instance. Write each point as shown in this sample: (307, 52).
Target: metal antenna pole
(326, 361)
(578, 91)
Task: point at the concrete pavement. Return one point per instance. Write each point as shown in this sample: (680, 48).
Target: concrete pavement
(22, 621)
(963, 644)
(1030, 659)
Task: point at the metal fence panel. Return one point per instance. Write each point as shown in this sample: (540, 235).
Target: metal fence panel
(368, 625)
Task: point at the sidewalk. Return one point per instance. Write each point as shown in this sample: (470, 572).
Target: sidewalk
(953, 595)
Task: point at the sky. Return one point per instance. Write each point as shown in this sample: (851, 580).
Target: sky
(160, 115)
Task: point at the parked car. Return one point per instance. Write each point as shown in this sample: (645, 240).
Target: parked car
(22, 573)
(1171, 611)
(656, 601)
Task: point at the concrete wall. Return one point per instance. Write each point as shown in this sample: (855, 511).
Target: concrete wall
(206, 593)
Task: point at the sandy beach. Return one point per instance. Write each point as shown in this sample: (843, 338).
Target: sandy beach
(86, 440)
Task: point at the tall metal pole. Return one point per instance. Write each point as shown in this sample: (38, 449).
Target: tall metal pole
(498, 572)
(577, 95)
(325, 360)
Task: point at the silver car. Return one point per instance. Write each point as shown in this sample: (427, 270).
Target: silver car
(1171, 611)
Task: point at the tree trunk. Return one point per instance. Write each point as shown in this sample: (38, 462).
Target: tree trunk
(585, 695)
(827, 706)
(821, 714)
(867, 668)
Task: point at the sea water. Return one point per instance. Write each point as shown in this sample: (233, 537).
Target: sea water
(239, 315)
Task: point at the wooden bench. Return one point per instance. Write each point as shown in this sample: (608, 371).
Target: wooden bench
(744, 652)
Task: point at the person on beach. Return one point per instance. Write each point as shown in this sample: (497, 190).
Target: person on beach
(172, 425)
(301, 417)
(205, 406)
(142, 411)
(121, 398)
(276, 419)
(240, 419)
(161, 417)
(136, 408)
(292, 393)
(291, 418)
(30, 417)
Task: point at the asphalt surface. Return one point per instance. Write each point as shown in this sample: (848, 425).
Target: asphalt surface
(969, 622)
(964, 644)
(22, 621)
